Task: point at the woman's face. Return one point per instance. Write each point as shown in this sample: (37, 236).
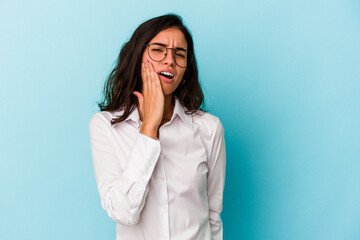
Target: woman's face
(171, 38)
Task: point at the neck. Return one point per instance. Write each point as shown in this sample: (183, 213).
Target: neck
(168, 108)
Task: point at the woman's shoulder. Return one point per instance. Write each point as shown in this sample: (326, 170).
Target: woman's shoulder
(103, 117)
(207, 122)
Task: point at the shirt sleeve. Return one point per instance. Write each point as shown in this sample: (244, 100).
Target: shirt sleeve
(122, 191)
(216, 181)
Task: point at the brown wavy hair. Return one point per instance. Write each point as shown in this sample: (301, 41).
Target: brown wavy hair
(126, 75)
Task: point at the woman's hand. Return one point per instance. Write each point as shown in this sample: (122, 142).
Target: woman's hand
(151, 101)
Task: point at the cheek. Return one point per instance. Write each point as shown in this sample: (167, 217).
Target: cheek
(145, 56)
(181, 74)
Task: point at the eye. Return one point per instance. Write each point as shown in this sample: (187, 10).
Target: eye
(157, 49)
(180, 54)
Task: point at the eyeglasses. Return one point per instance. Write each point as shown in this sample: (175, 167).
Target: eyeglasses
(158, 52)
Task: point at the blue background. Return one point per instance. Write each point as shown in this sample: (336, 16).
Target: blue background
(283, 76)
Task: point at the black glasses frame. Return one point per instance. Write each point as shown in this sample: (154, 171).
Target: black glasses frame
(188, 53)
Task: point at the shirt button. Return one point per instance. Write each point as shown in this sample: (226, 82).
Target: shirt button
(164, 208)
(144, 176)
(161, 178)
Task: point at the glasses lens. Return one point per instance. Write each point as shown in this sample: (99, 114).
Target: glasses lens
(156, 52)
(181, 58)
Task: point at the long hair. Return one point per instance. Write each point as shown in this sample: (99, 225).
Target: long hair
(126, 75)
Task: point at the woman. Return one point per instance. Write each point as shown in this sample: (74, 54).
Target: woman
(159, 159)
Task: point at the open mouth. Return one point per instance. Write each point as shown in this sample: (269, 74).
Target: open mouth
(167, 75)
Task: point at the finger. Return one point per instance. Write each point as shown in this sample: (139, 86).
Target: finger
(151, 66)
(154, 76)
(156, 79)
(145, 77)
(141, 103)
(142, 71)
(150, 76)
(139, 96)
(152, 69)
(140, 99)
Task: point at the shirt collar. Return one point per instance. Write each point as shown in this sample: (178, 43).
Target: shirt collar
(179, 110)
(134, 116)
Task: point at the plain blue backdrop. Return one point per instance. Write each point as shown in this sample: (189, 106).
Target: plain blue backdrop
(283, 77)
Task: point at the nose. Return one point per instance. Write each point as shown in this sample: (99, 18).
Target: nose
(169, 57)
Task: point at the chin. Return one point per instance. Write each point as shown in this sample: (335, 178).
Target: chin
(168, 91)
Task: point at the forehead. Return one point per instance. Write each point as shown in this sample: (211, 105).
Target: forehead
(171, 37)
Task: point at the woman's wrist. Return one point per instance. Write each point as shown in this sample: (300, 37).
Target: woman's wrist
(149, 130)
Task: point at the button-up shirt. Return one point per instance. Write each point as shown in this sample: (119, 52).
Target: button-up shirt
(170, 187)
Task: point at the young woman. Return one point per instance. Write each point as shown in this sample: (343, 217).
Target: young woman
(159, 159)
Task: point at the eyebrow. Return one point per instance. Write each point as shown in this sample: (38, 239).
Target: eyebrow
(165, 45)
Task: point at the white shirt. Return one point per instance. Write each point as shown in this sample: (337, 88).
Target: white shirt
(168, 188)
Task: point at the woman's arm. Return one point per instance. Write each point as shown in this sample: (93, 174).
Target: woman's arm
(122, 191)
(216, 181)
